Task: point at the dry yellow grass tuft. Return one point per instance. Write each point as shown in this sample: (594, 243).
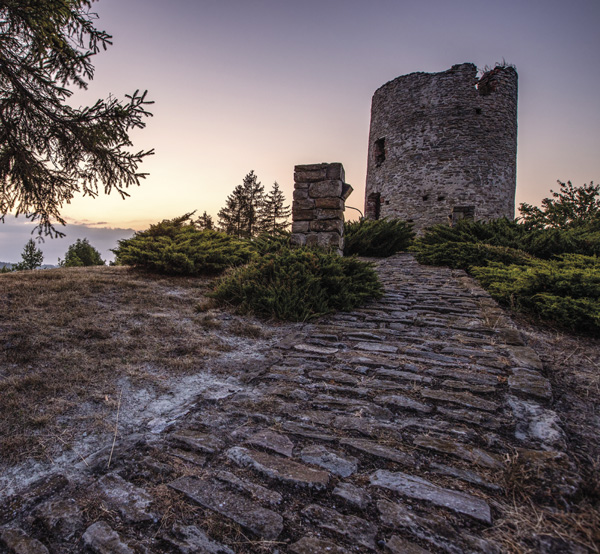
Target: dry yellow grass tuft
(67, 336)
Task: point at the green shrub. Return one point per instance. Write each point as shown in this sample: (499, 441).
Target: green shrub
(176, 247)
(80, 254)
(378, 238)
(465, 255)
(267, 243)
(539, 242)
(565, 291)
(298, 284)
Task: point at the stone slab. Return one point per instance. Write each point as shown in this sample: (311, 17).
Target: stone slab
(258, 492)
(272, 441)
(421, 489)
(331, 461)
(354, 528)
(280, 469)
(201, 442)
(102, 539)
(460, 450)
(189, 539)
(404, 402)
(380, 451)
(530, 383)
(462, 398)
(376, 347)
(216, 497)
(352, 494)
(130, 501)
(314, 349)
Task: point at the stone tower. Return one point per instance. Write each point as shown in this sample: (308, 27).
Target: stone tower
(443, 146)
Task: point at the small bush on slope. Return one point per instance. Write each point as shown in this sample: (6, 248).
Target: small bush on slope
(377, 238)
(176, 247)
(298, 284)
(541, 271)
(540, 242)
(565, 290)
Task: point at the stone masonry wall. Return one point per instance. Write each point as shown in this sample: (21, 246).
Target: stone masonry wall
(318, 208)
(443, 146)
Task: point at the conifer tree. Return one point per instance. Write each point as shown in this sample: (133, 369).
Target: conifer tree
(254, 195)
(241, 215)
(274, 216)
(231, 217)
(205, 221)
(49, 149)
(32, 257)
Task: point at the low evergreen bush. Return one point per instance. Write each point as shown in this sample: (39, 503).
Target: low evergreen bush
(565, 290)
(298, 284)
(377, 238)
(177, 247)
(465, 255)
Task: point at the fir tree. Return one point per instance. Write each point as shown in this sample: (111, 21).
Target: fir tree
(32, 257)
(231, 217)
(205, 221)
(275, 215)
(241, 215)
(50, 150)
(254, 195)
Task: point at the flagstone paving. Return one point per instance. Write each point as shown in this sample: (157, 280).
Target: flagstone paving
(394, 428)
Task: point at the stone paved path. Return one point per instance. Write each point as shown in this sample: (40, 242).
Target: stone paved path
(403, 427)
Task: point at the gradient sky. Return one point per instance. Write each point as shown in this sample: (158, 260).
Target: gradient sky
(269, 84)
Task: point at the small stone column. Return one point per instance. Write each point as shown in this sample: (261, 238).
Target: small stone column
(320, 194)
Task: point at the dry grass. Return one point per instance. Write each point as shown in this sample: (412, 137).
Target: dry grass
(67, 336)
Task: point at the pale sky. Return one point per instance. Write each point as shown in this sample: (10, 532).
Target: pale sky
(264, 85)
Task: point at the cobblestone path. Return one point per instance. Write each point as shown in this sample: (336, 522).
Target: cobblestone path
(412, 425)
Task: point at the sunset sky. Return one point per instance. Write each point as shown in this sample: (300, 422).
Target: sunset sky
(264, 85)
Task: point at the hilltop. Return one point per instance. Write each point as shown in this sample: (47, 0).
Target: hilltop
(426, 420)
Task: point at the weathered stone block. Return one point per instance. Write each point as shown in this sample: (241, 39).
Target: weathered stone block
(298, 239)
(300, 226)
(303, 215)
(330, 240)
(328, 225)
(329, 203)
(330, 214)
(312, 239)
(307, 204)
(336, 171)
(310, 176)
(346, 191)
(324, 189)
(300, 194)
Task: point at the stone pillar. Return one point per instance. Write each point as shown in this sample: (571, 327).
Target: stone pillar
(320, 194)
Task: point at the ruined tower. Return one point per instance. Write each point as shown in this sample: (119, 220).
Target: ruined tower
(443, 146)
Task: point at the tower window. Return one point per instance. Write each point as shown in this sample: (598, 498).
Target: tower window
(379, 151)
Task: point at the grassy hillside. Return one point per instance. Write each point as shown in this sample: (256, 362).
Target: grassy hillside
(69, 337)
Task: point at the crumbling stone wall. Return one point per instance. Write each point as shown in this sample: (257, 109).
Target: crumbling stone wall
(320, 194)
(443, 146)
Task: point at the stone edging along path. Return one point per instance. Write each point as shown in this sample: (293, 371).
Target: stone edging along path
(407, 426)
